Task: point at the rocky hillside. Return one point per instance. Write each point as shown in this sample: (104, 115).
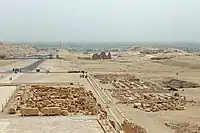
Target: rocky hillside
(16, 50)
(151, 50)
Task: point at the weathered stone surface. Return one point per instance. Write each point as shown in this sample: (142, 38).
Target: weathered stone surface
(109, 55)
(64, 112)
(62, 100)
(175, 83)
(96, 57)
(144, 95)
(15, 105)
(102, 55)
(132, 128)
(29, 111)
(183, 127)
(51, 111)
(12, 110)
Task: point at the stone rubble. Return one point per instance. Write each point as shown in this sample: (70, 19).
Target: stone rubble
(16, 103)
(61, 101)
(183, 127)
(129, 127)
(175, 83)
(143, 95)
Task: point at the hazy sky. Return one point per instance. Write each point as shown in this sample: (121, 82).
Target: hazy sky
(100, 20)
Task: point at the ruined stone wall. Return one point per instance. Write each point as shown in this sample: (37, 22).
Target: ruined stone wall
(96, 56)
(47, 101)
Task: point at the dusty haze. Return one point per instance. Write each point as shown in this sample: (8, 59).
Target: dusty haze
(100, 20)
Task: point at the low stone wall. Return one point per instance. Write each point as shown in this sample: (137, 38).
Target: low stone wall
(51, 111)
(29, 111)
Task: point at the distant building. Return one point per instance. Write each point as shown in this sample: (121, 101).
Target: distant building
(101, 56)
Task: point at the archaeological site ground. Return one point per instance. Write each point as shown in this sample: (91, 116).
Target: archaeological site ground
(140, 90)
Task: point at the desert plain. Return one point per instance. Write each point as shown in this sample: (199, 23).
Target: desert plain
(157, 91)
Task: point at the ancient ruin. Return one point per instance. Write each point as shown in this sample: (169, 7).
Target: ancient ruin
(144, 95)
(175, 83)
(96, 56)
(183, 127)
(102, 55)
(44, 100)
(15, 105)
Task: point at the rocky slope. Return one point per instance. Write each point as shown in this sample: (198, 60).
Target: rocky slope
(151, 50)
(19, 49)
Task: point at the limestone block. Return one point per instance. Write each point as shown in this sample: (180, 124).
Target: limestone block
(50, 111)
(29, 111)
(64, 112)
(12, 110)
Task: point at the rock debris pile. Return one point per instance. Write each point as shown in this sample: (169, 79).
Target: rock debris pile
(183, 127)
(15, 106)
(127, 82)
(175, 83)
(129, 127)
(153, 102)
(43, 100)
(144, 95)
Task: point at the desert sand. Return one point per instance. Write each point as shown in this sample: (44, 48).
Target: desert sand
(145, 67)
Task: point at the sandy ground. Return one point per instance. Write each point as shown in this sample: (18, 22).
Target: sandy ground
(16, 64)
(68, 125)
(7, 91)
(6, 62)
(49, 78)
(55, 65)
(129, 63)
(50, 125)
(143, 67)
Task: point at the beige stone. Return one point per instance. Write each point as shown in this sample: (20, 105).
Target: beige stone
(64, 112)
(49, 111)
(29, 111)
(12, 110)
